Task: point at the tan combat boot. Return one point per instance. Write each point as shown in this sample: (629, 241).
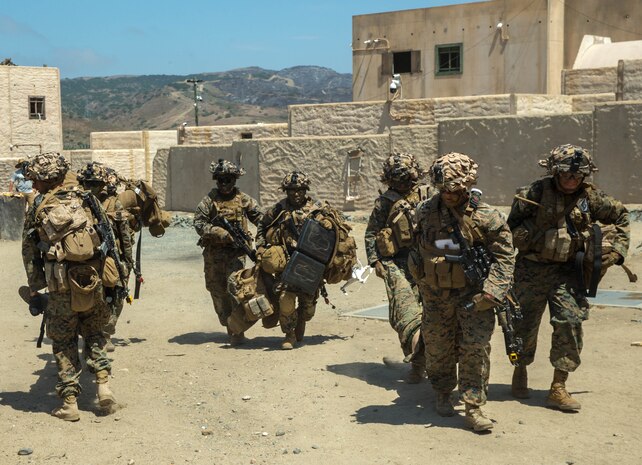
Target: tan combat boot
(476, 419)
(109, 346)
(444, 405)
(558, 397)
(289, 341)
(105, 396)
(68, 411)
(519, 386)
(237, 339)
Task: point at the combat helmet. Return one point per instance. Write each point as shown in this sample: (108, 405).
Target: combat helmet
(568, 158)
(295, 180)
(453, 171)
(94, 171)
(223, 168)
(401, 167)
(49, 167)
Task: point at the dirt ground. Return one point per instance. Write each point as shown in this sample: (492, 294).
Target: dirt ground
(188, 397)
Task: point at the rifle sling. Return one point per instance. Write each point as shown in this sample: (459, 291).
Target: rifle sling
(138, 265)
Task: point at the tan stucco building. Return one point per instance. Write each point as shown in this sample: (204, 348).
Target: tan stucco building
(30, 111)
(490, 47)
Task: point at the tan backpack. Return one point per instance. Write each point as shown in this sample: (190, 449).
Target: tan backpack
(140, 200)
(248, 290)
(345, 248)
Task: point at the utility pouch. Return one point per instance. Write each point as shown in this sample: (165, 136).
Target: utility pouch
(257, 308)
(85, 287)
(273, 260)
(386, 245)
(402, 231)
(443, 270)
(79, 246)
(110, 275)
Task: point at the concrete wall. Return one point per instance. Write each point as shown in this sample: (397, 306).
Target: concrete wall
(213, 135)
(325, 161)
(587, 102)
(353, 118)
(508, 148)
(421, 141)
(589, 81)
(152, 142)
(631, 78)
(17, 84)
(189, 178)
(618, 149)
(159, 171)
(116, 140)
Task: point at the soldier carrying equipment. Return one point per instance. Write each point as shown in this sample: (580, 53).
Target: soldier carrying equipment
(476, 262)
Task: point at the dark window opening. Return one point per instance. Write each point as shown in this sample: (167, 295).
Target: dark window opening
(246, 135)
(448, 59)
(401, 63)
(36, 108)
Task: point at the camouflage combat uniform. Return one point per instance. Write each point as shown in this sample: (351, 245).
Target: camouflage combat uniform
(63, 324)
(554, 280)
(119, 220)
(444, 314)
(221, 258)
(281, 225)
(405, 309)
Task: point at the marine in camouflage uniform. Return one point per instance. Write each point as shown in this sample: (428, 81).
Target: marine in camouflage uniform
(552, 221)
(281, 226)
(49, 173)
(391, 225)
(453, 333)
(101, 181)
(220, 256)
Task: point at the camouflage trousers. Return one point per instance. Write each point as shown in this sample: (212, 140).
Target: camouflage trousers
(63, 328)
(404, 302)
(454, 335)
(219, 264)
(293, 305)
(537, 284)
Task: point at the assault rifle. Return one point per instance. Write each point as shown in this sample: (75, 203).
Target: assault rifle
(476, 262)
(241, 238)
(108, 246)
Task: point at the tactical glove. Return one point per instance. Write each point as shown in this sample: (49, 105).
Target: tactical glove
(612, 258)
(38, 304)
(484, 301)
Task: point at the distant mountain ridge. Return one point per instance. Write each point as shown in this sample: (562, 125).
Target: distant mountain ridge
(245, 95)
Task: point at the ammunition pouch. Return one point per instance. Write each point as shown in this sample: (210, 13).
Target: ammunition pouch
(557, 245)
(401, 230)
(86, 291)
(56, 276)
(438, 273)
(247, 289)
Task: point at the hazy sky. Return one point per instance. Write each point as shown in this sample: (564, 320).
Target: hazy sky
(111, 37)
